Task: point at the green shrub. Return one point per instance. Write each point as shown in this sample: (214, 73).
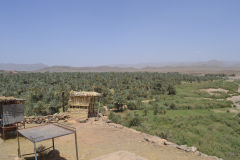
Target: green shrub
(238, 115)
(162, 110)
(171, 90)
(155, 110)
(172, 106)
(145, 111)
(114, 118)
(131, 106)
(162, 134)
(136, 121)
(42, 152)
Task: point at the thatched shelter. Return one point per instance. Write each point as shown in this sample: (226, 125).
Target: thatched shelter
(84, 99)
(11, 113)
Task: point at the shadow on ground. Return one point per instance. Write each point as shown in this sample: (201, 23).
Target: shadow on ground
(52, 155)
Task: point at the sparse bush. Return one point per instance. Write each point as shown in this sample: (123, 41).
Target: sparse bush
(238, 115)
(42, 152)
(132, 106)
(172, 106)
(145, 111)
(162, 134)
(155, 110)
(171, 90)
(162, 110)
(134, 120)
(114, 118)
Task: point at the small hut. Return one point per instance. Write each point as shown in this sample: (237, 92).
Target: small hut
(84, 99)
(11, 113)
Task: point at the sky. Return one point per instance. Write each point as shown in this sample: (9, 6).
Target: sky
(102, 32)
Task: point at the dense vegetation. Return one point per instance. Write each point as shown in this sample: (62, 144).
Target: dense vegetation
(169, 105)
(42, 91)
(192, 117)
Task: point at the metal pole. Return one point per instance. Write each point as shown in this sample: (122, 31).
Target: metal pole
(19, 151)
(76, 144)
(53, 144)
(35, 150)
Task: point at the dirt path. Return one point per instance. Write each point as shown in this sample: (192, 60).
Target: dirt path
(97, 138)
(236, 99)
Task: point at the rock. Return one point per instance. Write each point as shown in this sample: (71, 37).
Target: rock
(187, 149)
(54, 122)
(147, 139)
(108, 121)
(168, 143)
(82, 121)
(47, 119)
(184, 147)
(204, 155)
(193, 149)
(100, 115)
(198, 153)
(61, 121)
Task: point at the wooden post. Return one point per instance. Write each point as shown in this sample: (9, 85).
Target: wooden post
(3, 132)
(19, 151)
(76, 144)
(63, 102)
(53, 144)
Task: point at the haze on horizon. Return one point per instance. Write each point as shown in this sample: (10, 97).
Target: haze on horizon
(93, 33)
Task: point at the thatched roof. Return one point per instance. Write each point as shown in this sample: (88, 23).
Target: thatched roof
(84, 93)
(9, 99)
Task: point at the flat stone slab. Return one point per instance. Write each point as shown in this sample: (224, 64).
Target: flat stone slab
(120, 155)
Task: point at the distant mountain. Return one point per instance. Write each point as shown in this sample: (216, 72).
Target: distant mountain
(87, 69)
(212, 66)
(21, 67)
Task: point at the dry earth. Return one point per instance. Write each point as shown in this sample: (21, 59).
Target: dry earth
(98, 138)
(213, 91)
(236, 99)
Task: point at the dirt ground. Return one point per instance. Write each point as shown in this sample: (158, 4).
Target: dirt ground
(98, 138)
(213, 91)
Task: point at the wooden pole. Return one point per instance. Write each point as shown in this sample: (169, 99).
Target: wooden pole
(3, 132)
(76, 144)
(53, 144)
(19, 151)
(63, 102)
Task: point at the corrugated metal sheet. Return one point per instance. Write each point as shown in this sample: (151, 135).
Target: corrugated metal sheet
(12, 113)
(41, 133)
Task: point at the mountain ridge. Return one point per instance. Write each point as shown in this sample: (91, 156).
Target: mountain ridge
(212, 66)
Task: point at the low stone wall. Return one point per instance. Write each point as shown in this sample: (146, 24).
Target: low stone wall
(58, 117)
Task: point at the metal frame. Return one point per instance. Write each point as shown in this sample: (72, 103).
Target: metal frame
(11, 126)
(5, 128)
(53, 144)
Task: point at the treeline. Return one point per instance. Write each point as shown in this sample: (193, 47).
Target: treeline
(42, 91)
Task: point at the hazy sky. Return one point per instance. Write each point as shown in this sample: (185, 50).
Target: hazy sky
(96, 32)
